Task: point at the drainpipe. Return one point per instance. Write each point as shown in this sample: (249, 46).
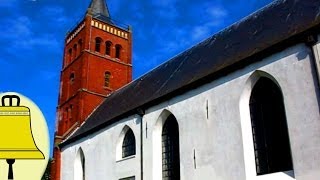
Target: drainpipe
(312, 41)
(141, 113)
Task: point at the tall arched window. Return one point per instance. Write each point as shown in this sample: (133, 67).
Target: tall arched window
(129, 144)
(79, 166)
(107, 76)
(80, 45)
(269, 128)
(70, 56)
(118, 51)
(170, 149)
(108, 48)
(75, 49)
(71, 78)
(98, 44)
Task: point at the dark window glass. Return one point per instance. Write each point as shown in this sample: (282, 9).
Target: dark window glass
(170, 150)
(108, 48)
(269, 128)
(80, 45)
(83, 162)
(118, 51)
(83, 167)
(129, 144)
(71, 78)
(107, 76)
(98, 44)
(70, 55)
(75, 49)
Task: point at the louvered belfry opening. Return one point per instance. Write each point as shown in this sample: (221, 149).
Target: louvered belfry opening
(269, 128)
(170, 150)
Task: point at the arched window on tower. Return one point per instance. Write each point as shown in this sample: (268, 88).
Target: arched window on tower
(269, 128)
(129, 144)
(170, 149)
(71, 78)
(79, 166)
(75, 49)
(80, 45)
(118, 51)
(98, 44)
(69, 56)
(108, 48)
(107, 76)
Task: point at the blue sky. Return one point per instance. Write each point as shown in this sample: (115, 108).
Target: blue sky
(32, 37)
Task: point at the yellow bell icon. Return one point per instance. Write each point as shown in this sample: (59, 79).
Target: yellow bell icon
(16, 140)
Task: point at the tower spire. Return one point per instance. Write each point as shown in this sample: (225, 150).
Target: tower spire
(98, 7)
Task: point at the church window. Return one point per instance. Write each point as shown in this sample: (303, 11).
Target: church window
(269, 128)
(108, 48)
(98, 44)
(170, 149)
(83, 161)
(80, 45)
(79, 166)
(71, 78)
(107, 76)
(118, 51)
(75, 49)
(129, 144)
(70, 55)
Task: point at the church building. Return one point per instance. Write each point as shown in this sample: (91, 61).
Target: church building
(243, 104)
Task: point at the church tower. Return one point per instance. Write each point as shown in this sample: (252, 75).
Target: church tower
(96, 62)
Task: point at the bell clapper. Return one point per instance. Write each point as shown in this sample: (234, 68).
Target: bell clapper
(10, 172)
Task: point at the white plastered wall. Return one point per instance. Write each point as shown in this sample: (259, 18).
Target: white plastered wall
(101, 156)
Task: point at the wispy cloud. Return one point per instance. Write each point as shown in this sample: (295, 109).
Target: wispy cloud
(32, 44)
(48, 74)
(165, 9)
(19, 36)
(200, 32)
(24, 32)
(55, 15)
(216, 16)
(15, 28)
(217, 12)
(163, 3)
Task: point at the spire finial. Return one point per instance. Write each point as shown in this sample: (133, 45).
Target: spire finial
(98, 7)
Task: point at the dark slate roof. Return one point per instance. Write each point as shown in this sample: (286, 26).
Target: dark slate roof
(99, 7)
(277, 25)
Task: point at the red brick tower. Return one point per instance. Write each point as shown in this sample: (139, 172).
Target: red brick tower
(97, 61)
